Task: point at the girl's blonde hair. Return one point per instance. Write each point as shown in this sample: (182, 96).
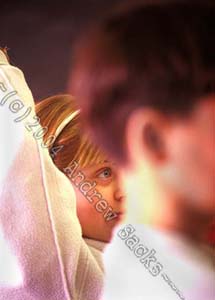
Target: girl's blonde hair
(70, 144)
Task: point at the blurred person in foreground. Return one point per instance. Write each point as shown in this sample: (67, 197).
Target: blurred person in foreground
(145, 80)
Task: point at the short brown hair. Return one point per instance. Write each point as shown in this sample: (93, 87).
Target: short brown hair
(159, 56)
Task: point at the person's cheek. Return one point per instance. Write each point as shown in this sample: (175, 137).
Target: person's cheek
(206, 159)
(107, 192)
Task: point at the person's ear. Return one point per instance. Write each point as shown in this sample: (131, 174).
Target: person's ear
(145, 136)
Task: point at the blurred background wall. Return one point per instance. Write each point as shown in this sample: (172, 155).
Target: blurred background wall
(40, 36)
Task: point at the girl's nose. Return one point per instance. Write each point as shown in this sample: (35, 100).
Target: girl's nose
(119, 195)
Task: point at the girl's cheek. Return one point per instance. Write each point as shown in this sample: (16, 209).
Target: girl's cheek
(104, 182)
(107, 192)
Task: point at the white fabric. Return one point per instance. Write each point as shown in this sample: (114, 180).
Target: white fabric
(42, 253)
(174, 265)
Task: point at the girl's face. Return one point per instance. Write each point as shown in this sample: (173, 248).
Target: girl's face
(100, 201)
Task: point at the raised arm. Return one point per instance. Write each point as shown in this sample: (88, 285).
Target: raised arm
(40, 236)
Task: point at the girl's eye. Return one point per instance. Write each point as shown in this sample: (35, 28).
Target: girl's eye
(105, 173)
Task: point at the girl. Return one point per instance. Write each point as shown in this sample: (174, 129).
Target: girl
(98, 212)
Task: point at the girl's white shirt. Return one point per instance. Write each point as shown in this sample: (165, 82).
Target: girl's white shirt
(42, 253)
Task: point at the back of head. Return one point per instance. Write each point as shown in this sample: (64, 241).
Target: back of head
(157, 54)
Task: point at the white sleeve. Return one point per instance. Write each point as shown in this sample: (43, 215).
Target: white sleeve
(40, 236)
